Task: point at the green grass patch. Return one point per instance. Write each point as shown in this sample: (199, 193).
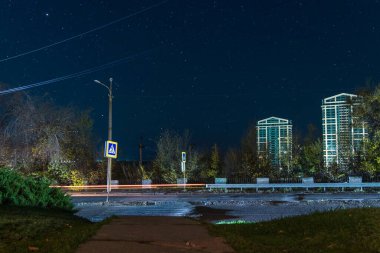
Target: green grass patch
(28, 229)
(350, 230)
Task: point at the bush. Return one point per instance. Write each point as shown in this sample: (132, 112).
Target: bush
(76, 178)
(16, 189)
(59, 172)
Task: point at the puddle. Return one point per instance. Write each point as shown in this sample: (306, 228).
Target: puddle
(209, 214)
(300, 197)
(277, 202)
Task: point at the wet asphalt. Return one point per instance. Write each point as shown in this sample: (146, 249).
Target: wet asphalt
(217, 207)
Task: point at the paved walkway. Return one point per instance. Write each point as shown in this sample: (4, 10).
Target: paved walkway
(154, 234)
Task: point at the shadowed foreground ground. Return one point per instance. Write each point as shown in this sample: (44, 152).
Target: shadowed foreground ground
(154, 234)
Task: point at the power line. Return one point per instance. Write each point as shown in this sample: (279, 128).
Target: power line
(74, 75)
(85, 33)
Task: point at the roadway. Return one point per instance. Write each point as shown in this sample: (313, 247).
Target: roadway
(234, 206)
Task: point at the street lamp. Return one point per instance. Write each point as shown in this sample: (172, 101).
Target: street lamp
(109, 88)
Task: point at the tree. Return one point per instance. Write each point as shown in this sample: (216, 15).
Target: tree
(204, 165)
(264, 167)
(38, 136)
(371, 161)
(369, 112)
(295, 166)
(249, 164)
(193, 164)
(232, 163)
(19, 130)
(167, 164)
(215, 168)
(78, 145)
(210, 164)
(311, 158)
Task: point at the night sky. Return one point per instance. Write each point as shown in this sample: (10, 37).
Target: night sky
(211, 66)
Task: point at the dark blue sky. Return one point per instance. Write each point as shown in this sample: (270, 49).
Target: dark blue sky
(210, 66)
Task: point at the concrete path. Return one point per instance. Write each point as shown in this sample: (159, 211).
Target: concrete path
(154, 234)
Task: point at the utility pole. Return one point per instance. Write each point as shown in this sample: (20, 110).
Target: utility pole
(141, 146)
(109, 162)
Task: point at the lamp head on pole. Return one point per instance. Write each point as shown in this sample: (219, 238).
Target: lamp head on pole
(102, 84)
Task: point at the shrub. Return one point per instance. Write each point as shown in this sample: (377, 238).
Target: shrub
(96, 176)
(76, 178)
(16, 189)
(60, 172)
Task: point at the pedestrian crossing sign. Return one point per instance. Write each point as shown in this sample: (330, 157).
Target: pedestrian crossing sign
(110, 149)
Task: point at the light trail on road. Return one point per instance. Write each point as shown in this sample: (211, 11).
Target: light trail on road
(127, 186)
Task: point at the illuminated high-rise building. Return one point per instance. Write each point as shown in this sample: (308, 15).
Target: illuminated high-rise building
(274, 140)
(342, 135)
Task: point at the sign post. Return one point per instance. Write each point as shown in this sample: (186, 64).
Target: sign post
(110, 151)
(183, 169)
(109, 162)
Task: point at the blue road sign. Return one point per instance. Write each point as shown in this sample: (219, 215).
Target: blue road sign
(111, 149)
(183, 156)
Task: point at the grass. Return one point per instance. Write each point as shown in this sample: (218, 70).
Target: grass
(27, 229)
(351, 230)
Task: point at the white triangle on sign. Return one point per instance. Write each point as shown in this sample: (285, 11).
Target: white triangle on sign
(111, 150)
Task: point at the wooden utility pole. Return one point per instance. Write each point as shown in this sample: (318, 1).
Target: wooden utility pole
(141, 146)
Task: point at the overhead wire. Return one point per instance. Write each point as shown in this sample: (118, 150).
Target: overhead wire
(74, 75)
(86, 71)
(85, 33)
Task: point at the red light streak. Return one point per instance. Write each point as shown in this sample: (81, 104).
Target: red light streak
(126, 186)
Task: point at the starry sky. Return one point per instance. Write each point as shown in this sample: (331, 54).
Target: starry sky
(211, 66)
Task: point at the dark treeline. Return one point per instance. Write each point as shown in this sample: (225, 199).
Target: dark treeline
(39, 137)
(243, 164)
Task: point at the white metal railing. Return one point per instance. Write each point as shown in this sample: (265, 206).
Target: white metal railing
(293, 185)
